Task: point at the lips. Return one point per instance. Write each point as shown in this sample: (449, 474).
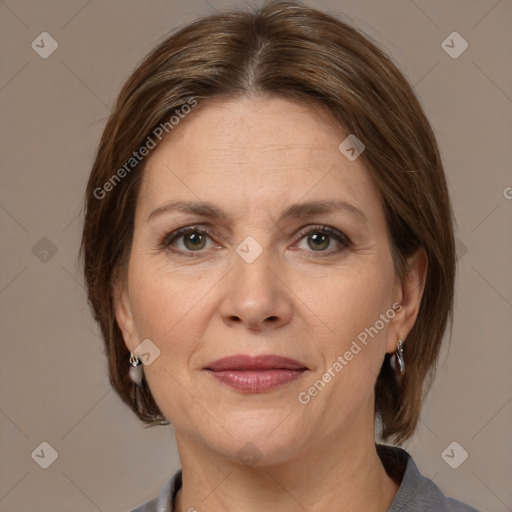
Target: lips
(254, 374)
(243, 362)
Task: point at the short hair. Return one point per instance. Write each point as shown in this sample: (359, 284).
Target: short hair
(283, 49)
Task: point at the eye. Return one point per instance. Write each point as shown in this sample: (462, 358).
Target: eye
(186, 240)
(321, 238)
(194, 241)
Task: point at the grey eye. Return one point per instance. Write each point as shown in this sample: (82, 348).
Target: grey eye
(318, 241)
(194, 241)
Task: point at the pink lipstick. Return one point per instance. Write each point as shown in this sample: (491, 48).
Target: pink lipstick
(255, 374)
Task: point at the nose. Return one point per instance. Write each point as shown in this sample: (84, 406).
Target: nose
(254, 296)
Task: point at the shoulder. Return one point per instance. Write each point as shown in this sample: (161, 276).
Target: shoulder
(416, 493)
(164, 501)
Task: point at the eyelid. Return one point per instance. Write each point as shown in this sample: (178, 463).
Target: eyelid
(179, 232)
(342, 239)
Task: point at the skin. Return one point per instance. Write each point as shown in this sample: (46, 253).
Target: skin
(253, 157)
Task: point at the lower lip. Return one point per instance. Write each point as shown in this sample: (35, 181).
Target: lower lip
(256, 381)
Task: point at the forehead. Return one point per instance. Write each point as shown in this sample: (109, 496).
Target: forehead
(249, 152)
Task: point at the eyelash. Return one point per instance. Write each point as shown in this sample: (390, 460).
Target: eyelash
(342, 239)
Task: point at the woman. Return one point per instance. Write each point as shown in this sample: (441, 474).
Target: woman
(269, 253)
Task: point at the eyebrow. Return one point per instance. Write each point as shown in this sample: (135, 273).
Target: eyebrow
(295, 211)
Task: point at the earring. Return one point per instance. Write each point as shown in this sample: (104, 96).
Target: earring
(136, 369)
(399, 356)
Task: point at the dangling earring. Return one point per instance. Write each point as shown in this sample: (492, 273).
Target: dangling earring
(399, 356)
(136, 369)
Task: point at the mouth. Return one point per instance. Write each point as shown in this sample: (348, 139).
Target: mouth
(256, 374)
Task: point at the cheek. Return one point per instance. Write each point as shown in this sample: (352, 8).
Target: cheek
(162, 297)
(166, 309)
(354, 346)
(172, 309)
(351, 300)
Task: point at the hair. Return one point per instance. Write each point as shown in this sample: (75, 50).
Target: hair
(283, 49)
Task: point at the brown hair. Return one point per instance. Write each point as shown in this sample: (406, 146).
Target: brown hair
(286, 49)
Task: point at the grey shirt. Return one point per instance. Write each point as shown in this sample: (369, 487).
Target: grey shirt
(416, 493)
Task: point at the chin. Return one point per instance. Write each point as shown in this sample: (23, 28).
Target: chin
(258, 438)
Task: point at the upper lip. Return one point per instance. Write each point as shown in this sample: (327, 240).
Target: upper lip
(261, 362)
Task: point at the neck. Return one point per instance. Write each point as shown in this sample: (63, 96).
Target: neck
(341, 476)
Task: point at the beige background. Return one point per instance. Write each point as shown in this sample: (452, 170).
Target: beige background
(52, 372)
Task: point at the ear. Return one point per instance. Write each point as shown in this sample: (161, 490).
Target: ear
(408, 293)
(124, 316)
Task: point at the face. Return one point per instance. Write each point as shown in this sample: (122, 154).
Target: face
(256, 272)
